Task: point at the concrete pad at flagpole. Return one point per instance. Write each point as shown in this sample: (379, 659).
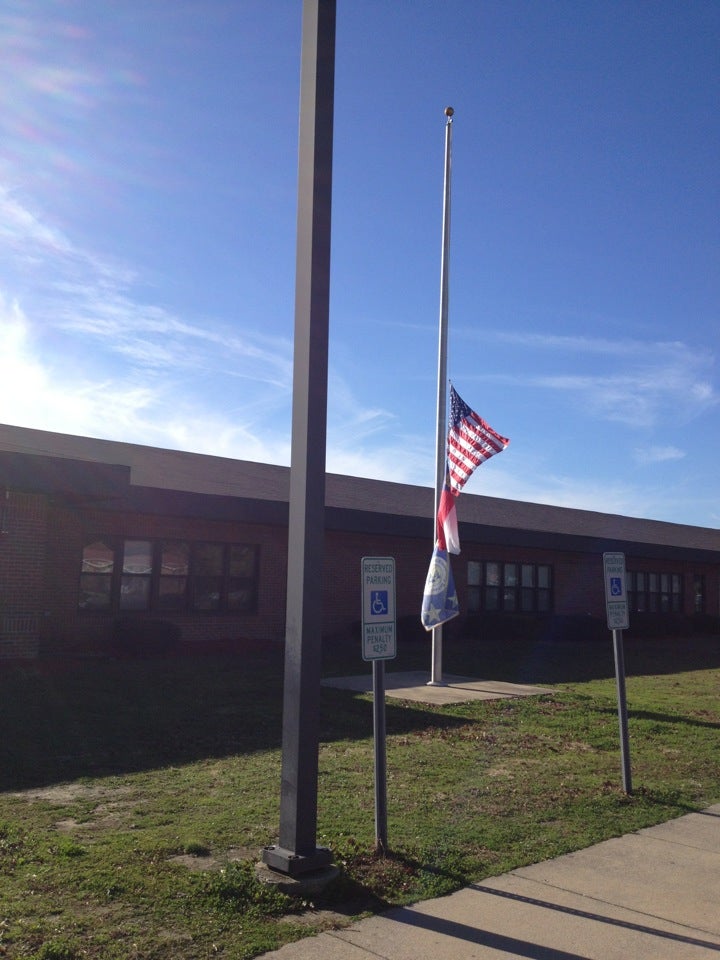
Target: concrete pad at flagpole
(414, 686)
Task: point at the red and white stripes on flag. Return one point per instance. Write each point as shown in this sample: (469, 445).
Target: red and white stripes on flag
(447, 525)
(471, 441)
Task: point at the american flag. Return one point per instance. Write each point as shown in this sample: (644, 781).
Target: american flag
(470, 442)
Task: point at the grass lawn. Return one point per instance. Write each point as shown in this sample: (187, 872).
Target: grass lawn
(135, 796)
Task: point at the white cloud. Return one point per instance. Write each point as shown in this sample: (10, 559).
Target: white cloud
(641, 384)
(33, 394)
(658, 454)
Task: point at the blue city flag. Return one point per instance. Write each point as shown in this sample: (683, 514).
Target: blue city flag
(440, 602)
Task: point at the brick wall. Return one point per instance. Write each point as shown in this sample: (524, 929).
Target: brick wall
(41, 550)
(23, 543)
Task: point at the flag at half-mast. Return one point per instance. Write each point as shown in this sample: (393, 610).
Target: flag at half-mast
(470, 442)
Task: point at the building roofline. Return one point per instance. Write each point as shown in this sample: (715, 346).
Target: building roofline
(181, 481)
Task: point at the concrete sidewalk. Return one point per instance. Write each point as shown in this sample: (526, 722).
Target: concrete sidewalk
(650, 895)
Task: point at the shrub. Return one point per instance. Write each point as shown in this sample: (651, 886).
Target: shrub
(493, 626)
(660, 625)
(705, 623)
(145, 638)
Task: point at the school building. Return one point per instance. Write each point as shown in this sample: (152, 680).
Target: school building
(105, 543)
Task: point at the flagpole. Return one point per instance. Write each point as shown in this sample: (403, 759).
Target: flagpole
(441, 423)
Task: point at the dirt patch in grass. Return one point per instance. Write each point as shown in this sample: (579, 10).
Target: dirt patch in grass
(212, 862)
(62, 794)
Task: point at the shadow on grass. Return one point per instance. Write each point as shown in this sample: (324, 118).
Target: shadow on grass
(111, 718)
(674, 719)
(101, 718)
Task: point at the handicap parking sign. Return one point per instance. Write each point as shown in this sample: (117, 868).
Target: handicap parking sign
(379, 603)
(378, 608)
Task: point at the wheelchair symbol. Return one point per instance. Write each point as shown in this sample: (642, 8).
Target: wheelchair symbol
(379, 602)
(616, 586)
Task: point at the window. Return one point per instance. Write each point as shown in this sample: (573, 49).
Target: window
(136, 574)
(207, 576)
(96, 575)
(241, 577)
(509, 587)
(174, 569)
(168, 576)
(699, 593)
(654, 592)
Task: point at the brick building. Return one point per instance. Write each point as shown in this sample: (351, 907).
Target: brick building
(97, 537)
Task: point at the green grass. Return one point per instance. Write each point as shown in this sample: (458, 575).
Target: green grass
(116, 779)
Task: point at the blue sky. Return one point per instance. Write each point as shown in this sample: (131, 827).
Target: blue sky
(148, 183)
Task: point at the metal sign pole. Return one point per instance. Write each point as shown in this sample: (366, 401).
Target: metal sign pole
(616, 601)
(622, 710)
(379, 644)
(381, 832)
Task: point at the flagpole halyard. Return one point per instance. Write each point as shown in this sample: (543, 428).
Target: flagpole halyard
(440, 433)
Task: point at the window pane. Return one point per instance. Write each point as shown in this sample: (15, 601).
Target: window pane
(511, 575)
(676, 583)
(134, 593)
(98, 557)
(171, 593)
(526, 599)
(242, 560)
(240, 596)
(137, 557)
(652, 582)
(527, 574)
(206, 593)
(175, 558)
(492, 598)
(543, 601)
(94, 592)
(473, 573)
(543, 577)
(665, 583)
(510, 599)
(492, 574)
(473, 600)
(640, 579)
(208, 559)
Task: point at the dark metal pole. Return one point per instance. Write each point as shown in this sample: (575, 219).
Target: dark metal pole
(297, 851)
(622, 710)
(381, 836)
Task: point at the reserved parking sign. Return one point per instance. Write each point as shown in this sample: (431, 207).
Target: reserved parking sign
(615, 591)
(378, 608)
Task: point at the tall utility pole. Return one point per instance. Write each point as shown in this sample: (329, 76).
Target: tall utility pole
(297, 852)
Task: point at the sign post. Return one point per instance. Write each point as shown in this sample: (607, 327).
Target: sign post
(379, 644)
(618, 620)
